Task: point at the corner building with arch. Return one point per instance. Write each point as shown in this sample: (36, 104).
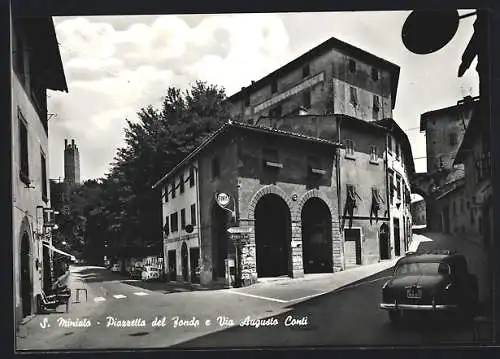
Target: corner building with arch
(283, 191)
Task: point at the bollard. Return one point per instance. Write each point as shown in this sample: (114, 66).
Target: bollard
(78, 290)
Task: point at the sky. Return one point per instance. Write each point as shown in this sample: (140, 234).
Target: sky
(116, 65)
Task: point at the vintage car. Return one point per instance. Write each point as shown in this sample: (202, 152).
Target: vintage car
(437, 281)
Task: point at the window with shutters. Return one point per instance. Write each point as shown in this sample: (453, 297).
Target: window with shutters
(306, 70)
(375, 74)
(183, 218)
(274, 86)
(44, 176)
(166, 227)
(191, 177)
(349, 148)
(173, 188)
(306, 99)
(376, 106)
(270, 158)
(354, 96)
(165, 189)
(314, 166)
(23, 149)
(352, 65)
(193, 215)
(181, 183)
(174, 222)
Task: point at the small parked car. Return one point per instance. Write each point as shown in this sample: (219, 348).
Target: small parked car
(136, 272)
(150, 273)
(438, 281)
(115, 268)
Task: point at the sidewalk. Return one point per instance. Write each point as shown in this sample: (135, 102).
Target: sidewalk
(28, 335)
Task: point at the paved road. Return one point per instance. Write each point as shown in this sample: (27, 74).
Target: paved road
(349, 316)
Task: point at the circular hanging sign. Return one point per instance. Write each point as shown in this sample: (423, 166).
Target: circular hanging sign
(223, 199)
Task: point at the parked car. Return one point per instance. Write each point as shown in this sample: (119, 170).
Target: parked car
(115, 268)
(150, 273)
(136, 272)
(438, 281)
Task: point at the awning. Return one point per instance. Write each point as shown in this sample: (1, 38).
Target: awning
(51, 247)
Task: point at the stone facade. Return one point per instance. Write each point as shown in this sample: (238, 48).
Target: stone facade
(333, 77)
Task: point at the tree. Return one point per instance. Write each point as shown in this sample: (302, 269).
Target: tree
(153, 146)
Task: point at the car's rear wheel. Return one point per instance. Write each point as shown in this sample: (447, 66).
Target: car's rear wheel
(395, 317)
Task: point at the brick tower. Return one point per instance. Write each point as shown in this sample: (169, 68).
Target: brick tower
(71, 163)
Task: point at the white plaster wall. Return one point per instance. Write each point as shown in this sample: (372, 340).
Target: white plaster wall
(25, 200)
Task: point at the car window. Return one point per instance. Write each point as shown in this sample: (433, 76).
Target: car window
(422, 268)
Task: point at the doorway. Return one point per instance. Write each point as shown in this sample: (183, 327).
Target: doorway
(184, 262)
(352, 240)
(46, 269)
(317, 253)
(172, 265)
(194, 259)
(384, 242)
(220, 238)
(26, 285)
(273, 232)
(397, 238)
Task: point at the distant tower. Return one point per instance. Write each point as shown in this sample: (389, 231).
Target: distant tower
(71, 163)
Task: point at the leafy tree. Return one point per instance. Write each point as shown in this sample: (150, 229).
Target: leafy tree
(154, 145)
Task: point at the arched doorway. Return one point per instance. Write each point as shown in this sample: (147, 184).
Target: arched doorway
(317, 253)
(184, 257)
(26, 285)
(220, 237)
(384, 242)
(273, 232)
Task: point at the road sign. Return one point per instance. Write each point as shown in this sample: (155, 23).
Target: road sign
(240, 230)
(239, 236)
(223, 199)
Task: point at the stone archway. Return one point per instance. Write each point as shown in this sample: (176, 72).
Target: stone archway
(316, 223)
(281, 203)
(25, 269)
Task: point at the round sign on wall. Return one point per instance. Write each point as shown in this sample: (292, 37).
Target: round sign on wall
(223, 199)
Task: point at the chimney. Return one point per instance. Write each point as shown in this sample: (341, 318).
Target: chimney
(253, 82)
(65, 143)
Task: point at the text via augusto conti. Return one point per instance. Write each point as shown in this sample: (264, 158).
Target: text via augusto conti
(175, 322)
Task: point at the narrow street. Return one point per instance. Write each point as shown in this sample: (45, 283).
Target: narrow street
(320, 315)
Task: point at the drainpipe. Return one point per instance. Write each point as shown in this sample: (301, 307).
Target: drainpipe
(387, 192)
(198, 216)
(339, 190)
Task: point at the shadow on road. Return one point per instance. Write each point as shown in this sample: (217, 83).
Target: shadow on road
(347, 317)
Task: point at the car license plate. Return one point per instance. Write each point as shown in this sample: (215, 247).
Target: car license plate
(414, 293)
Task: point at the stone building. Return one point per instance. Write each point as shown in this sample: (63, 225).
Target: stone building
(418, 213)
(374, 166)
(36, 68)
(475, 155)
(444, 130)
(334, 77)
(282, 191)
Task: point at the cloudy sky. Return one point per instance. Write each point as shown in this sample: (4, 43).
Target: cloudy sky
(117, 64)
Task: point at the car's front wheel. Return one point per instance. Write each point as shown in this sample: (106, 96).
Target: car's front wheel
(395, 316)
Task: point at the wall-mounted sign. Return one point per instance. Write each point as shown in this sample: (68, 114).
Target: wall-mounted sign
(239, 236)
(222, 199)
(189, 228)
(310, 82)
(239, 229)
